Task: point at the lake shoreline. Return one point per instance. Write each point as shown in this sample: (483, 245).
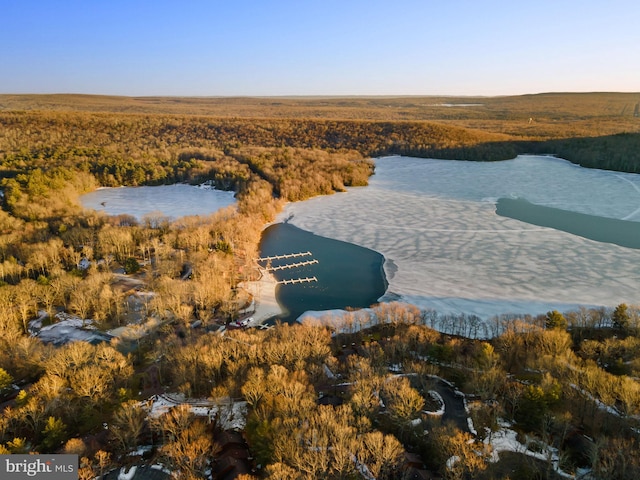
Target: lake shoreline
(264, 293)
(334, 274)
(444, 248)
(447, 251)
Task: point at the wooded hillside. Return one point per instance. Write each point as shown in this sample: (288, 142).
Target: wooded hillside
(318, 402)
(582, 127)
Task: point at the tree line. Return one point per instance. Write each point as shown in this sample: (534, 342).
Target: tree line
(543, 379)
(124, 149)
(550, 375)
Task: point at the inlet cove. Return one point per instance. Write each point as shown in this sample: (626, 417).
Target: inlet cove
(347, 275)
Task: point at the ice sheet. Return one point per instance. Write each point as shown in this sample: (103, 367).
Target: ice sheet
(446, 249)
(172, 201)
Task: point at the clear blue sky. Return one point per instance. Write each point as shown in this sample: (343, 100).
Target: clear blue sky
(324, 47)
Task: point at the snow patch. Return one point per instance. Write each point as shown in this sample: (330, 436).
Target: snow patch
(505, 440)
(438, 398)
(230, 414)
(67, 328)
(328, 372)
(127, 475)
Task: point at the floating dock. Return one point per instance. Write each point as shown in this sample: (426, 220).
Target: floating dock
(292, 265)
(280, 257)
(290, 281)
(297, 280)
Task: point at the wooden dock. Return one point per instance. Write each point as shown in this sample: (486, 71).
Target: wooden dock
(280, 257)
(297, 280)
(291, 281)
(292, 265)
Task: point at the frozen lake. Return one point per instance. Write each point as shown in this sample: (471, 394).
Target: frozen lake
(173, 201)
(446, 249)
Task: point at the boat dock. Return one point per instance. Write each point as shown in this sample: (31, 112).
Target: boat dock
(290, 281)
(292, 265)
(297, 280)
(280, 257)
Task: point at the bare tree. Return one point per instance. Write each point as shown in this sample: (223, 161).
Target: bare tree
(188, 443)
(403, 401)
(127, 425)
(381, 454)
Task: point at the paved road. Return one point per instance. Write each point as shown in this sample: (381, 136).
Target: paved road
(454, 410)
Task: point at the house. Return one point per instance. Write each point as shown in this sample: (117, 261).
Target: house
(234, 458)
(414, 468)
(229, 468)
(412, 460)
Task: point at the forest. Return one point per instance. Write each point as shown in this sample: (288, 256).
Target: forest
(360, 396)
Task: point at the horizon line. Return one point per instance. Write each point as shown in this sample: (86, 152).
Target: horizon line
(390, 95)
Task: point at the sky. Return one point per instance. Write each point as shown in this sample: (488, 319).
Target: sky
(313, 47)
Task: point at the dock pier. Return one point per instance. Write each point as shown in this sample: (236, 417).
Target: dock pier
(281, 257)
(291, 265)
(291, 281)
(297, 280)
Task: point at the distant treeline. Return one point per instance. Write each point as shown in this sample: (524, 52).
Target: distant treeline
(608, 112)
(619, 152)
(122, 149)
(146, 135)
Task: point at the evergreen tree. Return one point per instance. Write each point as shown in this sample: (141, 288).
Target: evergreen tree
(620, 316)
(555, 319)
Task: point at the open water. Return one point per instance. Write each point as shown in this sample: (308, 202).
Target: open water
(347, 275)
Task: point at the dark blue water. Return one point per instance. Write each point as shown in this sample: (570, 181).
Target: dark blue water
(600, 229)
(348, 275)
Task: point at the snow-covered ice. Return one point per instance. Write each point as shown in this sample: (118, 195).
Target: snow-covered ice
(172, 201)
(447, 250)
